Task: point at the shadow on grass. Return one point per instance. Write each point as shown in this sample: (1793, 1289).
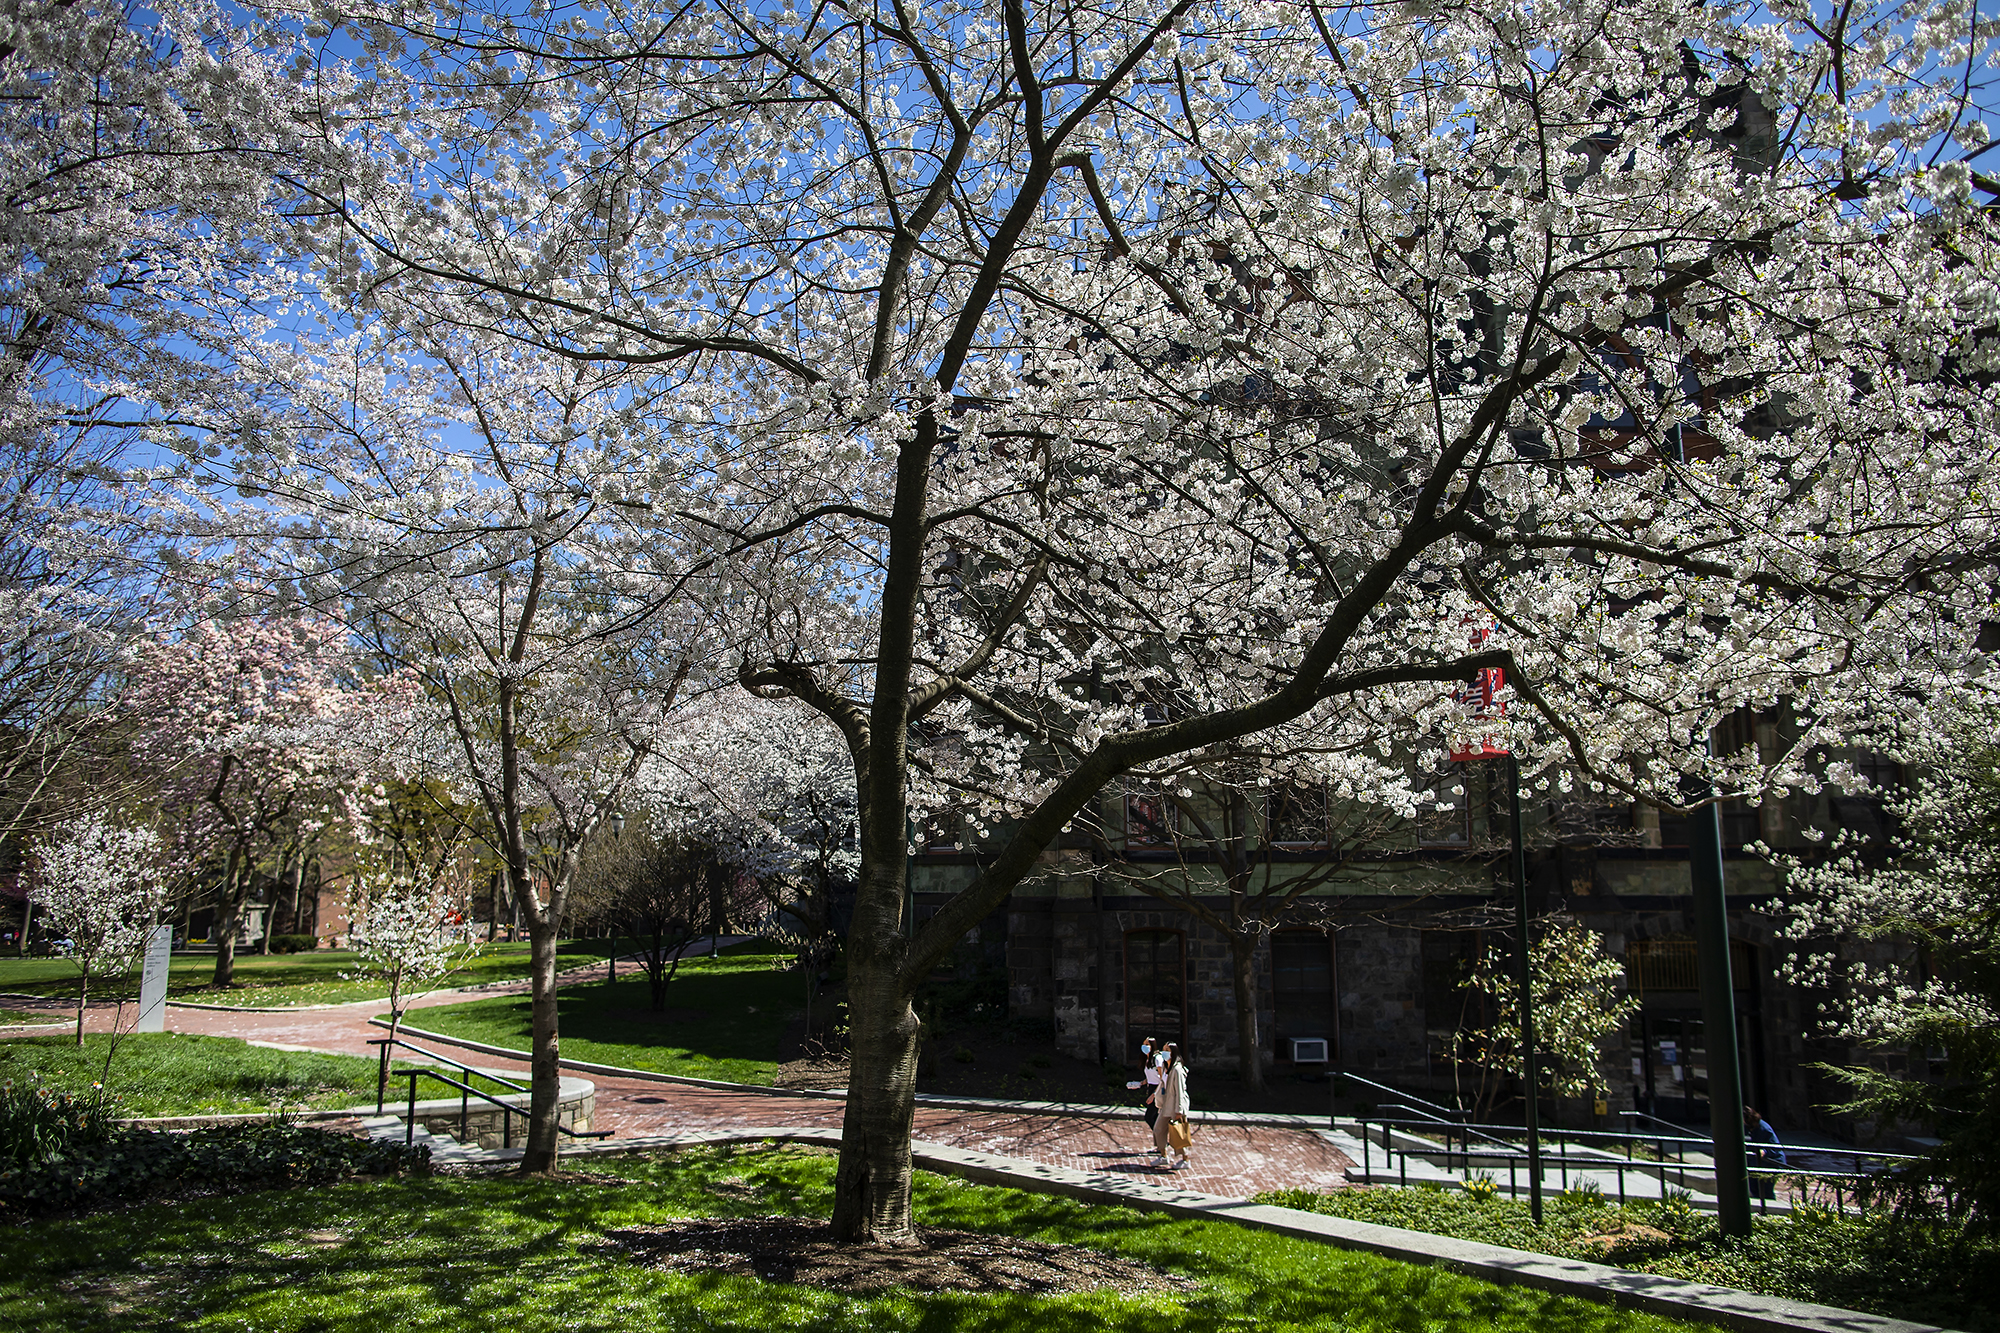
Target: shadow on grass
(725, 1020)
(475, 1253)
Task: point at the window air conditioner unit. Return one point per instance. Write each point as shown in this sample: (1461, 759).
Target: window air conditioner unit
(1308, 1050)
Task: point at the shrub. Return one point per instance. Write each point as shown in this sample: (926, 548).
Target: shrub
(37, 1123)
(132, 1164)
(294, 943)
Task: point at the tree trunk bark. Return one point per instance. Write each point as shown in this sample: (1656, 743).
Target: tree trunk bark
(544, 1051)
(871, 1191)
(228, 909)
(82, 995)
(1249, 1051)
(271, 921)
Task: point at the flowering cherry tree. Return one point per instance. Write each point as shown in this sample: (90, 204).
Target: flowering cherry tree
(121, 201)
(1897, 932)
(1058, 391)
(500, 528)
(770, 784)
(410, 928)
(100, 885)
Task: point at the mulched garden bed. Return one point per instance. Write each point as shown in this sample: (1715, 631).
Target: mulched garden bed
(802, 1250)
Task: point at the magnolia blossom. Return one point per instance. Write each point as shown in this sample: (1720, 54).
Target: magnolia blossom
(262, 731)
(101, 886)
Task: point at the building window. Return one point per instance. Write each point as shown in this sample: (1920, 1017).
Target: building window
(1149, 823)
(1444, 819)
(1300, 818)
(1155, 987)
(1862, 812)
(1302, 987)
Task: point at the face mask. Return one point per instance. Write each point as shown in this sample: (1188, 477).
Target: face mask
(1145, 1050)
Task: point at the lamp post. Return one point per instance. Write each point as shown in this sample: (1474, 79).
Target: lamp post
(1531, 1064)
(1718, 1018)
(1485, 692)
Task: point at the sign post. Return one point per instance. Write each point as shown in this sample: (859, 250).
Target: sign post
(153, 981)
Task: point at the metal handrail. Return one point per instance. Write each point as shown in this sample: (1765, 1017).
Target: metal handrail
(1408, 1097)
(1466, 1130)
(1642, 1115)
(1511, 1156)
(382, 1078)
(465, 1093)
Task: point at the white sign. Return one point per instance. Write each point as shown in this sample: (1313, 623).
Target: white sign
(153, 981)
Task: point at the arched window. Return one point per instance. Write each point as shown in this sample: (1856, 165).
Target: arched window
(1155, 987)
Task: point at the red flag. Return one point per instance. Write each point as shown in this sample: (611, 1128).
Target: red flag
(1483, 696)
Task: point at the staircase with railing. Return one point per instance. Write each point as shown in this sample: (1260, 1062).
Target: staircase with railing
(415, 1122)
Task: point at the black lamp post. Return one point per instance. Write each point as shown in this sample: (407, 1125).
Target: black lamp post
(1531, 1064)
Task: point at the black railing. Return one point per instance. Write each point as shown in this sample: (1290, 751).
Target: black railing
(1410, 1100)
(466, 1092)
(1455, 1146)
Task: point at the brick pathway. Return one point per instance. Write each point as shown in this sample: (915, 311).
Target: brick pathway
(1230, 1160)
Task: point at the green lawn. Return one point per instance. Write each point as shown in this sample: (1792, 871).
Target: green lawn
(168, 1073)
(471, 1253)
(725, 1019)
(1928, 1272)
(281, 980)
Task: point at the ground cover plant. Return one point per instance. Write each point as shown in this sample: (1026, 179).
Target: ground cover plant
(168, 1073)
(1920, 1270)
(103, 1166)
(284, 980)
(726, 1018)
(450, 1253)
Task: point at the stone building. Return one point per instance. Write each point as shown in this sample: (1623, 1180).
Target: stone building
(1374, 960)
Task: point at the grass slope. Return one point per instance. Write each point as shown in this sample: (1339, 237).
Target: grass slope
(725, 1020)
(451, 1254)
(283, 980)
(166, 1073)
(1931, 1273)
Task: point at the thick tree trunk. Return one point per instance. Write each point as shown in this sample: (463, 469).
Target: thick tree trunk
(1249, 1049)
(544, 1058)
(871, 1192)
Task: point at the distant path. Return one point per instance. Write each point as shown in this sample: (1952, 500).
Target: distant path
(1230, 1160)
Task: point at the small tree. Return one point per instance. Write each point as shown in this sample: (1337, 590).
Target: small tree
(667, 891)
(1574, 988)
(1902, 934)
(410, 929)
(100, 885)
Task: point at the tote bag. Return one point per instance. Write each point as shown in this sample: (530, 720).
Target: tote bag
(1180, 1135)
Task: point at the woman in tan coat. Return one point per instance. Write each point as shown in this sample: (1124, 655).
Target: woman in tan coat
(1172, 1097)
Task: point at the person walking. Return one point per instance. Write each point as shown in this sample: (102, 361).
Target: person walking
(1172, 1099)
(1764, 1151)
(1149, 1079)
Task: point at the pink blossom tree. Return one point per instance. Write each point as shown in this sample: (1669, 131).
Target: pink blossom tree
(261, 728)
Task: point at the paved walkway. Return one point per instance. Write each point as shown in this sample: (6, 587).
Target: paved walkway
(1231, 1160)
